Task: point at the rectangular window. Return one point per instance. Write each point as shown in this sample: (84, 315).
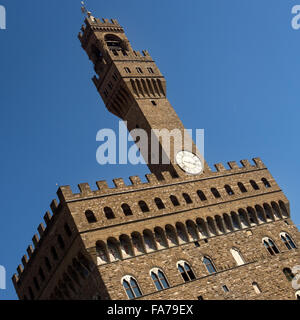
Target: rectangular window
(225, 288)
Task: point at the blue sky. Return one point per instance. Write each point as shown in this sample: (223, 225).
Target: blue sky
(232, 68)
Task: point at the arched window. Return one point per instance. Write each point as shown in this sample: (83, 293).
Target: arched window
(242, 187)
(126, 209)
(109, 214)
(266, 183)
(137, 242)
(187, 198)
(270, 246)
(254, 185)
(113, 249)
(101, 250)
(215, 192)
(201, 195)
(288, 273)
(256, 288)
(160, 205)
(209, 265)
(297, 295)
(131, 287)
(160, 237)
(171, 235)
(126, 246)
(287, 240)
(185, 271)
(237, 256)
(228, 190)
(90, 217)
(174, 201)
(144, 207)
(149, 240)
(159, 279)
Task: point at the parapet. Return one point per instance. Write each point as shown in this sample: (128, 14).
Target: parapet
(65, 193)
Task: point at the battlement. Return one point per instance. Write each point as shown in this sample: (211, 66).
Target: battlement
(36, 240)
(65, 193)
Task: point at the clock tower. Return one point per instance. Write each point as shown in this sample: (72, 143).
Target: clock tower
(133, 88)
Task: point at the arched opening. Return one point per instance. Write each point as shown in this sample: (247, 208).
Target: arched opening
(201, 195)
(90, 217)
(276, 210)
(202, 227)
(209, 265)
(284, 210)
(254, 185)
(229, 190)
(237, 256)
(149, 241)
(260, 214)
(268, 212)
(228, 222)
(235, 220)
(215, 192)
(137, 242)
(144, 207)
(113, 249)
(192, 230)
(113, 42)
(109, 214)
(171, 235)
(131, 287)
(270, 246)
(287, 240)
(126, 247)
(159, 279)
(160, 238)
(220, 224)
(187, 198)
(102, 254)
(266, 183)
(242, 187)
(181, 232)
(243, 218)
(174, 200)
(185, 271)
(252, 216)
(211, 226)
(126, 209)
(288, 274)
(160, 205)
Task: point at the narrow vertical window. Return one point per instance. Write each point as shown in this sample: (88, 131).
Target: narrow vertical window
(109, 214)
(209, 265)
(266, 183)
(201, 195)
(90, 217)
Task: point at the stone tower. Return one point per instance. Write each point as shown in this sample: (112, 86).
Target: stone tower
(218, 234)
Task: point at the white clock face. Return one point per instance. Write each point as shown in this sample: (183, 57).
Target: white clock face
(189, 162)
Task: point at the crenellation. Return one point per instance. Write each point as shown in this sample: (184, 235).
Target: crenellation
(15, 279)
(152, 179)
(233, 165)
(135, 180)
(102, 186)
(24, 260)
(47, 218)
(30, 251)
(20, 270)
(119, 183)
(35, 240)
(85, 189)
(167, 176)
(246, 164)
(41, 229)
(54, 206)
(258, 163)
(220, 167)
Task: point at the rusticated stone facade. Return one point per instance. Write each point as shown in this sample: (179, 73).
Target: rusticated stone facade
(229, 228)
